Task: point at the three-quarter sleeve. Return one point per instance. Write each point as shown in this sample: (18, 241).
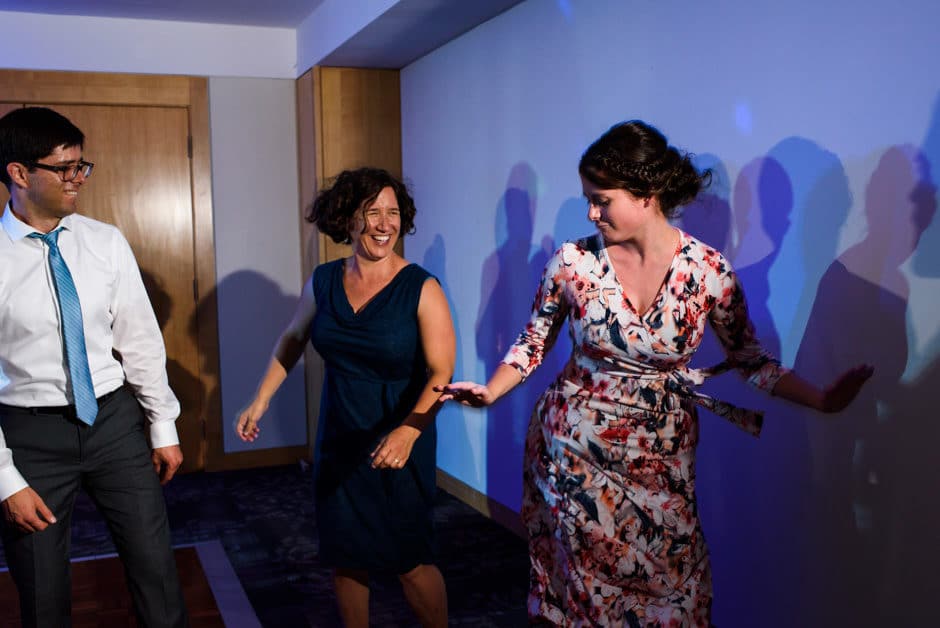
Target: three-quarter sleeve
(731, 323)
(548, 314)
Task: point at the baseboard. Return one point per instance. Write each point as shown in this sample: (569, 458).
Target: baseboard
(492, 509)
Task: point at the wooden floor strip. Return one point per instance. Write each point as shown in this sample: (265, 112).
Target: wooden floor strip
(214, 597)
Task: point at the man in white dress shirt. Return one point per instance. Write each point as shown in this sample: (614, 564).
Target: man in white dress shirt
(84, 397)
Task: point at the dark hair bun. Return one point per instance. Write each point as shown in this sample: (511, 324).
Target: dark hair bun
(682, 182)
(636, 157)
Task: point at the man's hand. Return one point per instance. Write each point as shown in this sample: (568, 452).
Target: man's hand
(26, 510)
(166, 460)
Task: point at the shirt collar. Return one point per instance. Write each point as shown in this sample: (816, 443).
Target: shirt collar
(16, 229)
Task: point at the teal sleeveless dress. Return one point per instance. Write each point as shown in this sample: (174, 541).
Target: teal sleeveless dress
(371, 519)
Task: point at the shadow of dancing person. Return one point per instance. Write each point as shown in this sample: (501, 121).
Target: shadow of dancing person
(189, 389)
(507, 271)
(860, 314)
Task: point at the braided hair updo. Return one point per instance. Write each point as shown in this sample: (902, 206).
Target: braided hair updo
(336, 207)
(634, 156)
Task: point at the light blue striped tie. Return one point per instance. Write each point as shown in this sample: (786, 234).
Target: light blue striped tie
(73, 331)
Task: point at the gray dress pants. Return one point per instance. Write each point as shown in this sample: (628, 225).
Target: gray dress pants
(111, 461)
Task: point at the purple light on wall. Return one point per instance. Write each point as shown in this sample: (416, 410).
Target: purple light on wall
(742, 118)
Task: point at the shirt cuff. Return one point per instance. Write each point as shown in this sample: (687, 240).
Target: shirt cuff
(522, 357)
(163, 434)
(10, 482)
(523, 369)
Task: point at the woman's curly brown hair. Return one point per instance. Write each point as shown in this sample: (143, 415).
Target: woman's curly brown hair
(634, 156)
(335, 208)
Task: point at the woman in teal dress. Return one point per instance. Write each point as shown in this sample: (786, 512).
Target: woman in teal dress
(383, 329)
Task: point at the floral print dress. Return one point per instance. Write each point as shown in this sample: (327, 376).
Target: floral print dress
(609, 503)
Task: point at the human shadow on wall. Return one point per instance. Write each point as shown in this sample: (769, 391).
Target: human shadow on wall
(859, 316)
(456, 453)
(252, 313)
(821, 203)
(782, 288)
(912, 538)
(708, 217)
(186, 385)
(747, 486)
(926, 259)
(508, 283)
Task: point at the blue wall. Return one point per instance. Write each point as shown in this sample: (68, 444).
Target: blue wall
(823, 120)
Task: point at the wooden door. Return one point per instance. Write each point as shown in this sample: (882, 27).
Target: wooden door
(141, 184)
(359, 124)
(5, 108)
(149, 143)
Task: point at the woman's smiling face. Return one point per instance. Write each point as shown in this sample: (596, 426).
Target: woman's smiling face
(376, 228)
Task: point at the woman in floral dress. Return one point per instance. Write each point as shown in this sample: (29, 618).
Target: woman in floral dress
(609, 504)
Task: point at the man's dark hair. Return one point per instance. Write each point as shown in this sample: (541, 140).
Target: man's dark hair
(31, 133)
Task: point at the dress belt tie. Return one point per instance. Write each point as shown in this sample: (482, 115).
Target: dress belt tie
(681, 382)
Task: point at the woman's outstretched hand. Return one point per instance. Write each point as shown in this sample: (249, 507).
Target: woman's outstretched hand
(246, 426)
(467, 393)
(844, 389)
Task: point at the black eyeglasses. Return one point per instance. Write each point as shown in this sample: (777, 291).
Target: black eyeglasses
(67, 172)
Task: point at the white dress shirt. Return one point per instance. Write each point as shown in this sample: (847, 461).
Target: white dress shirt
(116, 314)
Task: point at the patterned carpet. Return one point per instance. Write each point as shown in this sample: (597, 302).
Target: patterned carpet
(264, 519)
